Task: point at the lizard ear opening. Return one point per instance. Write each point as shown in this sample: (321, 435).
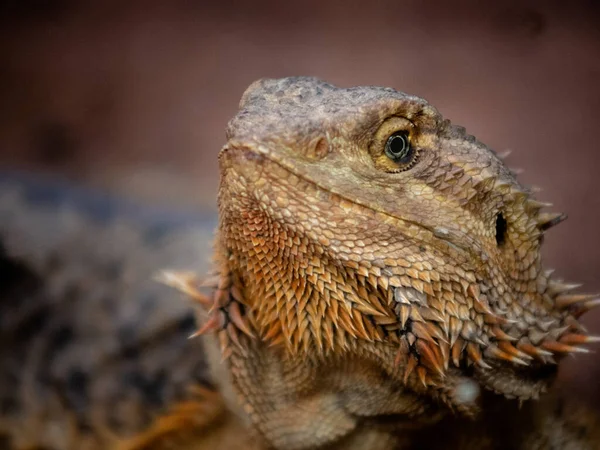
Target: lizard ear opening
(501, 227)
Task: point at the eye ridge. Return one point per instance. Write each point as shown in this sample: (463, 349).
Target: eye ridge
(398, 148)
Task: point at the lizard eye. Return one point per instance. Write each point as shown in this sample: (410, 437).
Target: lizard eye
(398, 148)
(392, 147)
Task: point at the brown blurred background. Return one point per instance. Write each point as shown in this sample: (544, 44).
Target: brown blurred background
(133, 97)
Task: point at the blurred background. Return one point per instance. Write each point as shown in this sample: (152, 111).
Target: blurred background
(133, 97)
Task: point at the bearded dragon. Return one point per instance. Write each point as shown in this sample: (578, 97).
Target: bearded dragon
(377, 284)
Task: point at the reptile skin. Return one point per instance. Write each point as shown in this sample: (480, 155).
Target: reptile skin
(364, 296)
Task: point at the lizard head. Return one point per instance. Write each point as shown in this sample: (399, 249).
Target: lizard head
(360, 218)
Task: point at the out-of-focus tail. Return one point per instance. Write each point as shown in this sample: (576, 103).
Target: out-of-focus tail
(92, 350)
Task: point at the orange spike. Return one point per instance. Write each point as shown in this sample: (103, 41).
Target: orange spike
(411, 363)
(226, 350)
(212, 324)
(183, 282)
(479, 305)
(328, 333)
(420, 330)
(345, 319)
(495, 352)
(457, 352)
(494, 319)
(422, 375)
(279, 340)
(511, 350)
(432, 315)
(475, 354)
(404, 312)
(382, 320)
(236, 317)
(455, 327)
(273, 331)
(236, 294)
(473, 291)
(577, 339)
(415, 315)
(534, 351)
(565, 301)
(436, 331)
(429, 358)
(500, 334)
(557, 347)
(360, 326)
(220, 300)
(233, 335)
(444, 349)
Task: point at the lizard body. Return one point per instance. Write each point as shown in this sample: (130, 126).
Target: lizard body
(367, 294)
(378, 269)
(91, 348)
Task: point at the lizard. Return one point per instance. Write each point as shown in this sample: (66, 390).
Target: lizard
(377, 283)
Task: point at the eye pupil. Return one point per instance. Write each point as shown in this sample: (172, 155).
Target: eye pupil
(398, 148)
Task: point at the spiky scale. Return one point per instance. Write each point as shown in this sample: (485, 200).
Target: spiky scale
(500, 334)
(548, 220)
(558, 347)
(404, 313)
(556, 287)
(567, 300)
(582, 308)
(494, 352)
(511, 350)
(185, 283)
(429, 358)
(457, 349)
(422, 373)
(577, 339)
(422, 332)
(411, 364)
(455, 329)
(213, 323)
(475, 355)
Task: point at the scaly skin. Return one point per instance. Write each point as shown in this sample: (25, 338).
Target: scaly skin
(357, 302)
(359, 298)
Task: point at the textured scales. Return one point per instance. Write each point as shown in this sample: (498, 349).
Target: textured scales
(356, 288)
(356, 302)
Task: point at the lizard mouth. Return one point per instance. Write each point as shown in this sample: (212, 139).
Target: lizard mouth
(249, 159)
